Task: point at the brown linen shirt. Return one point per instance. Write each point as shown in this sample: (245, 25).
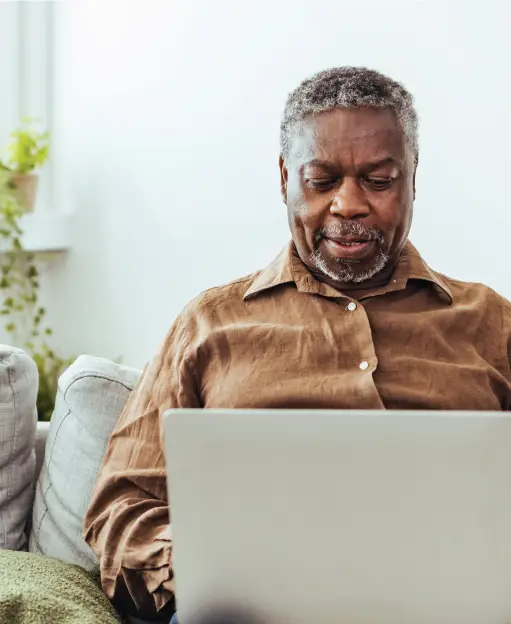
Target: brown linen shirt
(279, 338)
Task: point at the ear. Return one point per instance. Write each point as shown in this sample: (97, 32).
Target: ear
(414, 172)
(283, 178)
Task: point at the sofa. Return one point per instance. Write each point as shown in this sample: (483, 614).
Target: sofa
(51, 468)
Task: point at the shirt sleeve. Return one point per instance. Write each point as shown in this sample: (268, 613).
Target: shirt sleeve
(127, 524)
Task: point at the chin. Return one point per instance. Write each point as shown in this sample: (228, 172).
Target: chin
(350, 272)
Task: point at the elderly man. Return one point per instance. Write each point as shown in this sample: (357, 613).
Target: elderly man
(348, 316)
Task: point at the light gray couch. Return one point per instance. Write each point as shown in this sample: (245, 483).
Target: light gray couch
(68, 450)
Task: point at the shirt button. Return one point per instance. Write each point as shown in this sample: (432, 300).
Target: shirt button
(363, 365)
(351, 306)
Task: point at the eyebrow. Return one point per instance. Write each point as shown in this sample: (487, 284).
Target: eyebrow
(376, 164)
(316, 162)
(366, 167)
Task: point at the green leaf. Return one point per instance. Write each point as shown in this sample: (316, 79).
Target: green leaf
(10, 328)
(28, 149)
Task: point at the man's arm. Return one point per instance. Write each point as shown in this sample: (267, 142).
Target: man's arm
(127, 523)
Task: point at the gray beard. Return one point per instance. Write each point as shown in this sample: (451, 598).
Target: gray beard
(345, 271)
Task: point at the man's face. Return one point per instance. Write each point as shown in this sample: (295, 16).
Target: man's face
(349, 187)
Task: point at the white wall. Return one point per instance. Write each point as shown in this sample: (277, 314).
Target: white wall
(167, 144)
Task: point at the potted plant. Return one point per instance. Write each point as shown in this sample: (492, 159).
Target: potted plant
(27, 152)
(25, 317)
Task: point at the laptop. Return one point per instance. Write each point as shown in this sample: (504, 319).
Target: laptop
(335, 517)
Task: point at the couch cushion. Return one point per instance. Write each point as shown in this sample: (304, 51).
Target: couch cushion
(91, 396)
(18, 419)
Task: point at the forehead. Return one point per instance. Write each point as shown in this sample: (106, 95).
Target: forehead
(350, 134)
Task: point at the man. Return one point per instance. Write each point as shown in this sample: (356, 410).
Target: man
(348, 316)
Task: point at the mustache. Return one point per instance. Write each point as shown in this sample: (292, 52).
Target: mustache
(350, 228)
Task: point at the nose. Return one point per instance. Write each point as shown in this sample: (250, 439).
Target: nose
(350, 200)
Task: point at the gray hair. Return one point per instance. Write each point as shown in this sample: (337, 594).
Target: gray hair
(348, 87)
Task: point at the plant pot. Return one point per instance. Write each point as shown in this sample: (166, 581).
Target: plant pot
(26, 189)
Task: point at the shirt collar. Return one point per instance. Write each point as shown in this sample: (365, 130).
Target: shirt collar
(277, 273)
(289, 268)
(419, 270)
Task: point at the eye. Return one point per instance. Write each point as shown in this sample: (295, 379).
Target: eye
(321, 184)
(379, 184)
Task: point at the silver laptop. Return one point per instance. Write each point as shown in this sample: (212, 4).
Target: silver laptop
(300, 517)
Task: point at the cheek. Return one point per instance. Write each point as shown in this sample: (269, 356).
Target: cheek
(306, 206)
(297, 216)
(296, 201)
(304, 220)
(298, 208)
(393, 209)
(297, 204)
(304, 217)
(395, 219)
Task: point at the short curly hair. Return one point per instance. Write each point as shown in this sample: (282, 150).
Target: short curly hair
(348, 87)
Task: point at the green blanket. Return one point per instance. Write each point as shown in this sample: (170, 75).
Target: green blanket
(39, 590)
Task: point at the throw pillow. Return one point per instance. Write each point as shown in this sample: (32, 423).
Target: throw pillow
(18, 420)
(91, 396)
(40, 590)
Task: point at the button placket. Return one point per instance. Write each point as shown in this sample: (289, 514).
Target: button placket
(351, 307)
